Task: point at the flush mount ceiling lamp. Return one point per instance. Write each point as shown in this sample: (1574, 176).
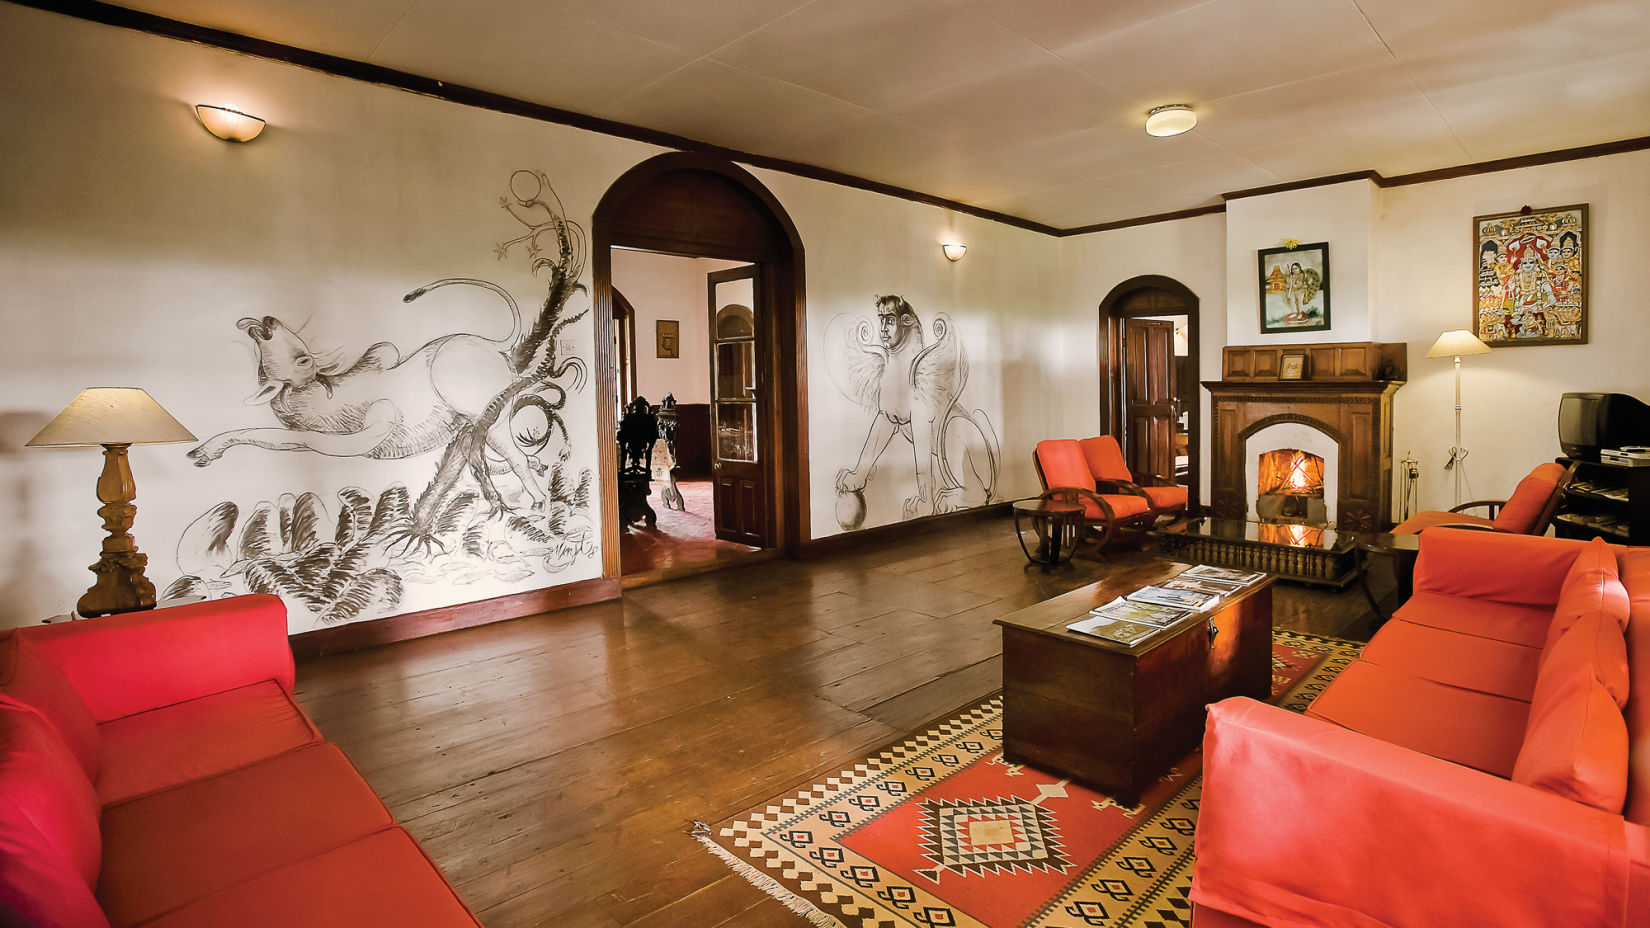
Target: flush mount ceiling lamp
(231, 125)
(953, 250)
(1170, 119)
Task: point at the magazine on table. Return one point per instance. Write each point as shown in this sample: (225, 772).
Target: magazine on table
(1175, 599)
(1211, 587)
(1144, 613)
(1209, 572)
(1115, 630)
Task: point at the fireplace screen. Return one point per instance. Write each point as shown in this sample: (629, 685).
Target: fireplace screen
(1290, 472)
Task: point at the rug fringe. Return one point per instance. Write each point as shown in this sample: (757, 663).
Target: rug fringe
(814, 915)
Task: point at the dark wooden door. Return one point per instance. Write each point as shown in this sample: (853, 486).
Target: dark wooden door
(1149, 396)
(738, 406)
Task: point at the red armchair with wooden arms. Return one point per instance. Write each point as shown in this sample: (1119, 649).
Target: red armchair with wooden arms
(1110, 507)
(1106, 462)
(1528, 511)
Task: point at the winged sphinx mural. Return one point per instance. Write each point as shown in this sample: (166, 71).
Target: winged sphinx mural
(491, 407)
(911, 384)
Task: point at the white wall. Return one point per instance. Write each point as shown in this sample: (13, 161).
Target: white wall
(1192, 251)
(1340, 214)
(669, 287)
(1510, 396)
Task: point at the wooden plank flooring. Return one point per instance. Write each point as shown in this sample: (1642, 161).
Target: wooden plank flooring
(553, 765)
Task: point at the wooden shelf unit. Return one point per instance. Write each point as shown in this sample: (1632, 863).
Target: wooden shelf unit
(1606, 500)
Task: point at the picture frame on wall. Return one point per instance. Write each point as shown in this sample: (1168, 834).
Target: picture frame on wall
(1530, 280)
(1294, 288)
(1292, 367)
(668, 333)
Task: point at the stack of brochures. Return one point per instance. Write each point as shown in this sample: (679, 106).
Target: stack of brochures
(1148, 610)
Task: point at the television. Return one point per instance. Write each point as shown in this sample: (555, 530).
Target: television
(1588, 422)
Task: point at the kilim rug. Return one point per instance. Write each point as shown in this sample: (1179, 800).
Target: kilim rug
(939, 830)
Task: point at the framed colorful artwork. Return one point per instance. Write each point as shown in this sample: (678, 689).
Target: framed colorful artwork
(669, 336)
(1530, 285)
(1294, 288)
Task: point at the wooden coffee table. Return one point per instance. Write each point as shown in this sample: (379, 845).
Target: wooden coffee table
(1113, 717)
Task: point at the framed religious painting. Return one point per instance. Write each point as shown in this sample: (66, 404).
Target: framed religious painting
(1530, 285)
(1294, 288)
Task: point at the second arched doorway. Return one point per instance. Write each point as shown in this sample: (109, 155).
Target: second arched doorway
(696, 206)
(1150, 398)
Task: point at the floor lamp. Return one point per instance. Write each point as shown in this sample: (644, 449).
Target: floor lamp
(116, 418)
(1456, 343)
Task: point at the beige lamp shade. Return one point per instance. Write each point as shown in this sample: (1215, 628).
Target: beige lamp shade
(228, 124)
(111, 416)
(1456, 342)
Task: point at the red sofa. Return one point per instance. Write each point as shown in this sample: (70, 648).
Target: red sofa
(155, 771)
(1471, 768)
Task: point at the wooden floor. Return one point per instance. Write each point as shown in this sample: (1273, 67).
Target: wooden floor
(553, 765)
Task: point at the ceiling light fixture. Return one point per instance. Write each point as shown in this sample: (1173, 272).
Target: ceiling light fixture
(953, 250)
(1170, 119)
(228, 124)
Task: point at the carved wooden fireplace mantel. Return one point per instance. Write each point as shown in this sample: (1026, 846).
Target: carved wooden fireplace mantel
(1345, 392)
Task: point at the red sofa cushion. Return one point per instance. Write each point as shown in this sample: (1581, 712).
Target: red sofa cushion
(1575, 744)
(1427, 518)
(1167, 497)
(1475, 730)
(1453, 561)
(1105, 458)
(1593, 644)
(1528, 499)
(1634, 564)
(171, 848)
(47, 806)
(1455, 659)
(28, 679)
(1122, 506)
(42, 891)
(125, 664)
(1063, 465)
(203, 737)
(1482, 618)
(383, 879)
(1593, 584)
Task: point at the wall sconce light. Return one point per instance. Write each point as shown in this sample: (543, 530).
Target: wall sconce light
(227, 124)
(953, 250)
(1170, 119)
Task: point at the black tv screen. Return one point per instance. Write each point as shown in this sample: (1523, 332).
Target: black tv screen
(1589, 422)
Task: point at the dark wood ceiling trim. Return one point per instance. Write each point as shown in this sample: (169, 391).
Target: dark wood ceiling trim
(111, 15)
(1324, 181)
(1145, 220)
(1521, 161)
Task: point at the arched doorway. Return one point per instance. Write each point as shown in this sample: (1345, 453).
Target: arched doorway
(1150, 397)
(697, 206)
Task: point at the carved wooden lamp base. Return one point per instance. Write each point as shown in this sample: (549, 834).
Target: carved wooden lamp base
(116, 418)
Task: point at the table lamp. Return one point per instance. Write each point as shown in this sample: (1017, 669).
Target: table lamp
(1456, 343)
(116, 418)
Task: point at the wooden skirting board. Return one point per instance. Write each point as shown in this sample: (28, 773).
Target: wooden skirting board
(449, 618)
(894, 531)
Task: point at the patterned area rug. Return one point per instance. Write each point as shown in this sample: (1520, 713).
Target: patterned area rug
(940, 831)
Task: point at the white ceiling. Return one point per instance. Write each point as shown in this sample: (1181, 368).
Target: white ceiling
(1030, 107)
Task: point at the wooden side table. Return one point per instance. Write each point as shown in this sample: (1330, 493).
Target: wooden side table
(1056, 525)
(1403, 550)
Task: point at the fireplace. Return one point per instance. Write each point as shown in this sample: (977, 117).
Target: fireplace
(1308, 453)
(1290, 487)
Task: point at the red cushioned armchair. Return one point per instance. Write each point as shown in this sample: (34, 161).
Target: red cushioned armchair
(1106, 463)
(1110, 507)
(1528, 511)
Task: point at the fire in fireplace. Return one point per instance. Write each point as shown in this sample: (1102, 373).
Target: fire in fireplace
(1289, 487)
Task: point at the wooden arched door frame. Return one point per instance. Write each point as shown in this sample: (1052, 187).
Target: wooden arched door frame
(692, 233)
(1113, 310)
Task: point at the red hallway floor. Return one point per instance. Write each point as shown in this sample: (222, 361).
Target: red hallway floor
(681, 539)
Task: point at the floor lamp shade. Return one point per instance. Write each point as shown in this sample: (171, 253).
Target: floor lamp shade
(115, 418)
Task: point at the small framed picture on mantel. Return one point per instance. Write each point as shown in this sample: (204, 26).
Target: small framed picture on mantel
(1294, 288)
